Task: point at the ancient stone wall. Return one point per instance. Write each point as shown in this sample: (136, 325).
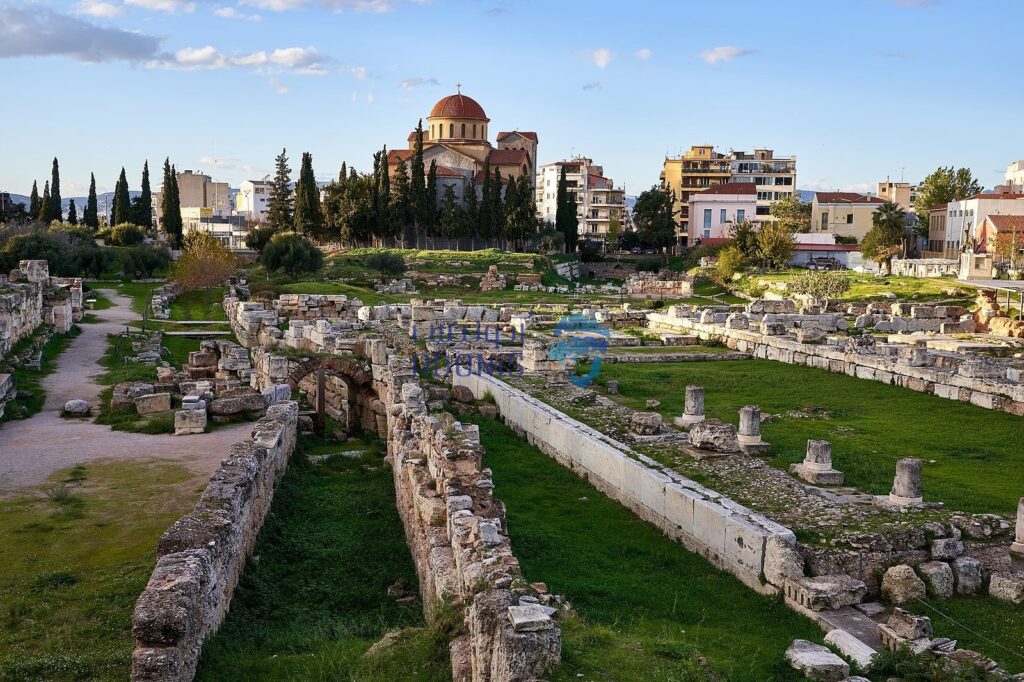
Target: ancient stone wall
(29, 297)
(201, 556)
(728, 534)
(805, 340)
(652, 285)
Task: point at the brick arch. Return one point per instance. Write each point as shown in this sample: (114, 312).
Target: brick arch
(363, 403)
(349, 369)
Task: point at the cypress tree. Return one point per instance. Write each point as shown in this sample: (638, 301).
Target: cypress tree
(400, 197)
(469, 212)
(343, 175)
(431, 225)
(122, 201)
(33, 201)
(497, 209)
(484, 214)
(279, 203)
(566, 220)
(92, 217)
(144, 204)
(44, 204)
(170, 207)
(417, 180)
(56, 211)
(72, 213)
(309, 219)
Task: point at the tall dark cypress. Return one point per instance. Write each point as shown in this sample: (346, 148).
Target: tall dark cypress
(309, 219)
(44, 204)
(143, 206)
(72, 213)
(484, 214)
(122, 201)
(33, 201)
(432, 199)
(92, 208)
(497, 209)
(418, 181)
(279, 203)
(56, 211)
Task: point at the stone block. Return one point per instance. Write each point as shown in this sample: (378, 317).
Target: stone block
(900, 585)
(153, 403)
(817, 662)
(529, 618)
(782, 561)
(947, 549)
(709, 524)
(967, 575)
(679, 506)
(909, 626)
(189, 422)
(826, 592)
(645, 423)
(1008, 586)
(715, 436)
(744, 544)
(938, 578)
(74, 408)
(851, 647)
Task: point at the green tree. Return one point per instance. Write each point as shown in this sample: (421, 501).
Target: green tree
(744, 236)
(91, 217)
(34, 201)
(430, 226)
(142, 207)
(44, 205)
(56, 210)
(943, 185)
(309, 219)
(401, 199)
(882, 242)
(730, 261)
(418, 183)
(652, 216)
(824, 284)
(126, 234)
(292, 254)
(279, 202)
(775, 244)
(450, 225)
(795, 215)
(72, 213)
(122, 212)
(470, 212)
(386, 264)
(204, 263)
(170, 206)
(566, 220)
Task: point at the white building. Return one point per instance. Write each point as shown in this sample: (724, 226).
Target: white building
(599, 203)
(230, 230)
(714, 210)
(1014, 181)
(252, 199)
(774, 177)
(963, 217)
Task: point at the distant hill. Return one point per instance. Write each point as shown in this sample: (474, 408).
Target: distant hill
(806, 195)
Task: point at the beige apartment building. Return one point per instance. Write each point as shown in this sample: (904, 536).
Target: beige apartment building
(844, 214)
(198, 190)
(599, 203)
(902, 193)
(701, 167)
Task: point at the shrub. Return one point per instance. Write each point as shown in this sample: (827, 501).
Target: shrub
(126, 234)
(820, 284)
(386, 264)
(591, 252)
(730, 261)
(140, 262)
(292, 254)
(258, 237)
(648, 264)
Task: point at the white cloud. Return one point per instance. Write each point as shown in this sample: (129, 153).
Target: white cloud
(303, 61)
(38, 31)
(593, 85)
(169, 6)
(96, 8)
(645, 53)
(715, 55)
(232, 13)
(359, 72)
(281, 89)
(601, 57)
(415, 82)
(374, 6)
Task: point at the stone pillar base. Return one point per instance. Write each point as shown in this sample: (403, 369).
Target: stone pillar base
(1017, 548)
(816, 476)
(748, 440)
(905, 501)
(688, 420)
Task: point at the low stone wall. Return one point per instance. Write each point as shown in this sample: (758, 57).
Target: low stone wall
(650, 285)
(979, 380)
(200, 558)
(457, 533)
(728, 534)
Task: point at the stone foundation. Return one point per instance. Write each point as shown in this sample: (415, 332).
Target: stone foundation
(200, 558)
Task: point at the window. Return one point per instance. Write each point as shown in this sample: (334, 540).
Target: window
(440, 132)
(707, 233)
(849, 219)
(463, 130)
(451, 130)
(824, 219)
(721, 216)
(474, 131)
(740, 214)
(707, 217)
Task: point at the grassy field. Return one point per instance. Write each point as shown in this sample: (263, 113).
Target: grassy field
(30, 381)
(647, 608)
(864, 286)
(199, 305)
(313, 598)
(993, 627)
(76, 555)
(966, 450)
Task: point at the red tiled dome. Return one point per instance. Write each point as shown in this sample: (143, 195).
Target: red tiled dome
(458, 106)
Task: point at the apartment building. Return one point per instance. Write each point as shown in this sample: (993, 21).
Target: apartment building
(701, 167)
(963, 217)
(252, 200)
(844, 214)
(230, 230)
(599, 203)
(714, 210)
(902, 193)
(1013, 183)
(198, 190)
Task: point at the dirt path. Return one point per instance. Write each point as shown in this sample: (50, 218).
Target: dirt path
(33, 449)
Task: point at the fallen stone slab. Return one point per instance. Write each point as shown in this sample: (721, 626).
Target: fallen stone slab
(816, 662)
(1008, 586)
(529, 618)
(826, 592)
(938, 578)
(851, 647)
(223, 407)
(153, 403)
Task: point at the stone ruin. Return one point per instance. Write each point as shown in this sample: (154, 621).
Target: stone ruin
(659, 285)
(492, 281)
(161, 299)
(402, 286)
(990, 318)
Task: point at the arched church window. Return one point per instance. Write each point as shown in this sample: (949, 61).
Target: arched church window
(463, 130)
(474, 131)
(451, 130)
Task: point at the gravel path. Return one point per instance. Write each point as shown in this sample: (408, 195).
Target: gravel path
(33, 449)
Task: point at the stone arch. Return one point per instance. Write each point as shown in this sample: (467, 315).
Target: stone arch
(350, 391)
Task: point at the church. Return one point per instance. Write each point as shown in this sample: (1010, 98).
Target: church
(455, 137)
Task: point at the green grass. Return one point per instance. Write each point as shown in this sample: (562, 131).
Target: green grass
(139, 292)
(865, 286)
(648, 609)
(102, 302)
(315, 599)
(967, 450)
(117, 371)
(73, 562)
(993, 627)
(663, 350)
(199, 305)
(30, 381)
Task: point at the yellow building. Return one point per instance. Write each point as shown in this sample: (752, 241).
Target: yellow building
(696, 170)
(902, 193)
(845, 214)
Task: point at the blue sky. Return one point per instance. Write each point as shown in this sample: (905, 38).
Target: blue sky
(858, 90)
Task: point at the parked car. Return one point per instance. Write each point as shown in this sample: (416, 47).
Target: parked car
(824, 263)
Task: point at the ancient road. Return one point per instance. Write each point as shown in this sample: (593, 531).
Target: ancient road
(33, 449)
